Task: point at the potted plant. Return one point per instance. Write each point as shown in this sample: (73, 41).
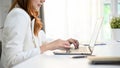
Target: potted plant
(115, 26)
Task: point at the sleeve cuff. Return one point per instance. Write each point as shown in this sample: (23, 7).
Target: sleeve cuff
(37, 50)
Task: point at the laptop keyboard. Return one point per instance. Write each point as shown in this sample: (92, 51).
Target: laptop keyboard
(84, 49)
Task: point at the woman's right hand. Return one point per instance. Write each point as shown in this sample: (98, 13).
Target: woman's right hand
(57, 44)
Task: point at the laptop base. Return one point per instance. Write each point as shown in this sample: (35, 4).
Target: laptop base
(57, 53)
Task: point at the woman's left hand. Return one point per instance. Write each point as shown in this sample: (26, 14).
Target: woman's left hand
(74, 42)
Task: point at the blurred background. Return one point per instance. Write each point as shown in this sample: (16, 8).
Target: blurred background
(72, 18)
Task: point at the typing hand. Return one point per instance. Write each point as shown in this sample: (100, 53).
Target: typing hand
(74, 42)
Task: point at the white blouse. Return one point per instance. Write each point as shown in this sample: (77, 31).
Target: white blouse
(18, 38)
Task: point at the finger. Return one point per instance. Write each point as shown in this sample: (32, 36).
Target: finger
(67, 43)
(70, 41)
(76, 44)
(67, 47)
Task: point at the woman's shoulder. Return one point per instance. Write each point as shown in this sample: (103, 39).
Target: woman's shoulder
(17, 15)
(18, 11)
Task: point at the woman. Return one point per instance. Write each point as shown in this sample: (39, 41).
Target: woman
(22, 34)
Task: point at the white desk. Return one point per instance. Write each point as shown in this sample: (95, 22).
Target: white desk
(65, 61)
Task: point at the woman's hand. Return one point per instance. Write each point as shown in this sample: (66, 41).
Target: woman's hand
(57, 44)
(74, 42)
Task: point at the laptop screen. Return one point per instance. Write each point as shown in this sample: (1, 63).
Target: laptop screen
(95, 33)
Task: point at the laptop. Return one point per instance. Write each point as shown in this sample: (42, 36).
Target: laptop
(84, 50)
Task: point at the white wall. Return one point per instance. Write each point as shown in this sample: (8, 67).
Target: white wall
(71, 18)
(4, 7)
(114, 7)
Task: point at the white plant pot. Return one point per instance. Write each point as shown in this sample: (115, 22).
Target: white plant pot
(116, 34)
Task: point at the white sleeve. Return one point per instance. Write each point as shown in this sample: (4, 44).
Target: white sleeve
(13, 38)
(42, 37)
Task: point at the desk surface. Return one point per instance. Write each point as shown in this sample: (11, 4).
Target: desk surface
(65, 61)
(59, 62)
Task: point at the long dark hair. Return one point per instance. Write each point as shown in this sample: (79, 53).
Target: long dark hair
(28, 7)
